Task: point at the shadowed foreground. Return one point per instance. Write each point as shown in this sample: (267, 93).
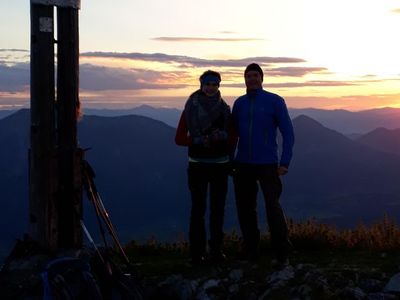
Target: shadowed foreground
(325, 263)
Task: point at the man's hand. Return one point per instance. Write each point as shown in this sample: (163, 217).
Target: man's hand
(282, 170)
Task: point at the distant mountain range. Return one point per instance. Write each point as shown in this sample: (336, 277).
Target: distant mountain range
(352, 124)
(169, 116)
(341, 180)
(14, 140)
(4, 113)
(141, 175)
(348, 122)
(382, 139)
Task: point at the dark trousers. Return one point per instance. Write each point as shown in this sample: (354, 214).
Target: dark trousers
(202, 176)
(245, 179)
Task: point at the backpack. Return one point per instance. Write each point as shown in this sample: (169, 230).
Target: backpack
(69, 278)
(117, 282)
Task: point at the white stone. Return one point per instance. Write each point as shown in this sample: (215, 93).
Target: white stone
(233, 289)
(236, 275)
(282, 275)
(394, 284)
(187, 289)
(357, 293)
(202, 295)
(210, 283)
(171, 280)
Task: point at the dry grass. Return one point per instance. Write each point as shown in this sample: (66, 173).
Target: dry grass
(309, 235)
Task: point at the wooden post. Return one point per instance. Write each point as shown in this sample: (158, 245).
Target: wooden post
(55, 205)
(42, 169)
(69, 158)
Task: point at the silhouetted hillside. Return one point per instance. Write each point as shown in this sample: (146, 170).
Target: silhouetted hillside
(5, 113)
(348, 122)
(169, 116)
(141, 175)
(14, 141)
(382, 139)
(338, 178)
(344, 121)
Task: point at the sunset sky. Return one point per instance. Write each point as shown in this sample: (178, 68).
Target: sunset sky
(314, 53)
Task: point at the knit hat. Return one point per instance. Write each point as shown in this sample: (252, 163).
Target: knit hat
(254, 67)
(210, 76)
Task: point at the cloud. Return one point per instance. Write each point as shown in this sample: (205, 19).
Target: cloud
(202, 39)
(118, 100)
(98, 78)
(312, 83)
(227, 32)
(102, 78)
(14, 50)
(187, 61)
(278, 72)
(14, 78)
(393, 79)
(13, 56)
(369, 76)
(349, 102)
(293, 71)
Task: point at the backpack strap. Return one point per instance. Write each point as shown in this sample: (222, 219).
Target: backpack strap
(55, 285)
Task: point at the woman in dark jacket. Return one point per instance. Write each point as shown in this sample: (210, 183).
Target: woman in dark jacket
(204, 127)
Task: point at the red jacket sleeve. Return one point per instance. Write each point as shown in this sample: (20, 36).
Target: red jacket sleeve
(181, 137)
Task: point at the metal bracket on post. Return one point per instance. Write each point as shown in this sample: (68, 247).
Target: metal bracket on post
(59, 3)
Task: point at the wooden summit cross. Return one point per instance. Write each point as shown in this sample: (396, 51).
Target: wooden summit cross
(55, 202)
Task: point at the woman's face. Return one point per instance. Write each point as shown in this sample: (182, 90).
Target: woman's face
(210, 88)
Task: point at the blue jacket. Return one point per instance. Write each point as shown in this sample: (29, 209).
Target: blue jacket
(256, 116)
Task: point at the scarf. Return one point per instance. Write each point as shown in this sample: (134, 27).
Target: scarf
(202, 111)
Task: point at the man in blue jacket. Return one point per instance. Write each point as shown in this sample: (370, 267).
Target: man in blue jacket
(257, 115)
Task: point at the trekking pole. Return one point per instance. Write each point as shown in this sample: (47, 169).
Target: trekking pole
(110, 227)
(89, 237)
(88, 184)
(100, 208)
(107, 216)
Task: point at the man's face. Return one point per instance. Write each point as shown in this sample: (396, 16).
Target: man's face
(210, 88)
(253, 80)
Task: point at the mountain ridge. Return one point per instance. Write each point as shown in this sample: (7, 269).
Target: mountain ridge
(140, 173)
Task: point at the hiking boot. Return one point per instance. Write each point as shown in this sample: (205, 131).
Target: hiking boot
(252, 255)
(217, 257)
(198, 260)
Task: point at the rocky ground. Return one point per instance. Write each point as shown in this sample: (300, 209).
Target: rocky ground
(330, 275)
(167, 275)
